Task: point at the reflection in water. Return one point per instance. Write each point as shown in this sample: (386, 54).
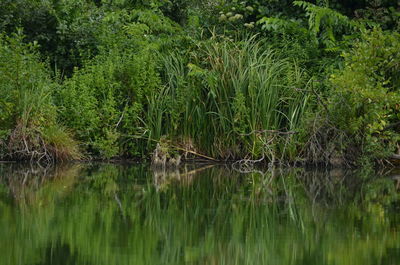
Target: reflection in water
(115, 214)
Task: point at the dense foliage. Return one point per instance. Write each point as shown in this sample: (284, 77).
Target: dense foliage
(29, 128)
(273, 80)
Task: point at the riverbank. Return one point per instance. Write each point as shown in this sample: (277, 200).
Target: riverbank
(314, 83)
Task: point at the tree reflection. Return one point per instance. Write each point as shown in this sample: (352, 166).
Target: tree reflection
(116, 214)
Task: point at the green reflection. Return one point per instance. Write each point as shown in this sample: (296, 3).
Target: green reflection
(115, 214)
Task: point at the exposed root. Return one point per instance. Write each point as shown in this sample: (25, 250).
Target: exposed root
(326, 145)
(269, 139)
(27, 144)
(30, 144)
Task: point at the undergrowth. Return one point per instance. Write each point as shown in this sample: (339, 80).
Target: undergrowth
(29, 128)
(273, 81)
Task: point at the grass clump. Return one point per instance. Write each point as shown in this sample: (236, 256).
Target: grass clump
(26, 106)
(234, 99)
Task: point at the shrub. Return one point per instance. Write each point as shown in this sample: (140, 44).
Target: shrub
(104, 102)
(366, 95)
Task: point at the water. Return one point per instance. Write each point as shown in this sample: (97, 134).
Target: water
(116, 214)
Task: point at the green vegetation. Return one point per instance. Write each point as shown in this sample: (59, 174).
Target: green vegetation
(366, 94)
(29, 128)
(287, 81)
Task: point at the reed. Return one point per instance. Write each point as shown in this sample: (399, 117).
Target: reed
(233, 100)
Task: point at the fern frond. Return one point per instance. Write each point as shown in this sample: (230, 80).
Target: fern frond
(324, 22)
(317, 13)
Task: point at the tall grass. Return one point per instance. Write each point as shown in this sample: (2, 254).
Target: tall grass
(28, 124)
(234, 100)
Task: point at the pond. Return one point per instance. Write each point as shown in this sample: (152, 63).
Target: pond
(108, 214)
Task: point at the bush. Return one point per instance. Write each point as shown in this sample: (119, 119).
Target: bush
(366, 95)
(104, 102)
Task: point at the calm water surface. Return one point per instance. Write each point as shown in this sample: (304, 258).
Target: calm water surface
(116, 214)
